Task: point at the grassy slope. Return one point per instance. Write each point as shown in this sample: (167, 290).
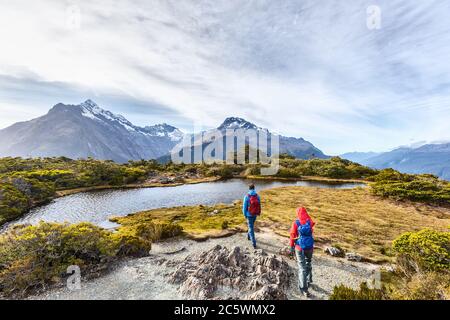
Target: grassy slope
(353, 219)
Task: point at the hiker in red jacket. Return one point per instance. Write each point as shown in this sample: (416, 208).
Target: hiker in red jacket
(302, 243)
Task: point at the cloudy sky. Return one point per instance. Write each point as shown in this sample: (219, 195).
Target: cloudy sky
(313, 69)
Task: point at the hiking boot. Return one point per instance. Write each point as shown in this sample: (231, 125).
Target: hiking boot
(254, 246)
(306, 294)
(248, 237)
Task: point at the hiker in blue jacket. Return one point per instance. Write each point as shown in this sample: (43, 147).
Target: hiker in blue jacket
(251, 209)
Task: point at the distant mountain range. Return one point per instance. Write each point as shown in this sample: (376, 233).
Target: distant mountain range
(86, 130)
(359, 157)
(422, 158)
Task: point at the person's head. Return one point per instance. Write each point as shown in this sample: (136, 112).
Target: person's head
(251, 187)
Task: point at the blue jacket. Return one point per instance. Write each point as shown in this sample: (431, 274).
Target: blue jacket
(247, 203)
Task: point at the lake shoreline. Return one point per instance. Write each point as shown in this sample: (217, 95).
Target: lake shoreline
(305, 178)
(67, 192)
(165, 182)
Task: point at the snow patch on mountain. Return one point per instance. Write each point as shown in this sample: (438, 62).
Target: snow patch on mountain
(164, 130)
(92, 111)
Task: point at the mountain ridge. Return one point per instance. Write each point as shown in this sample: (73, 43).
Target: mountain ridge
(87, 130)
(420, 158)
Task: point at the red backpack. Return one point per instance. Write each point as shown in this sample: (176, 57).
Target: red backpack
(254, 207)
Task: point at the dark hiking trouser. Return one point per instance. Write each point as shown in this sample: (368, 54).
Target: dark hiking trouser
(251, 229)
(304, 261)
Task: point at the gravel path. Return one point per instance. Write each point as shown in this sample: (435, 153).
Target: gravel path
(146, 278)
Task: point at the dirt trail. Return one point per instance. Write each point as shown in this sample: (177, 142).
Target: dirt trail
(147, 278)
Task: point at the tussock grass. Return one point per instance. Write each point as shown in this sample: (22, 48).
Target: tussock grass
(195, 220)
(353, 219)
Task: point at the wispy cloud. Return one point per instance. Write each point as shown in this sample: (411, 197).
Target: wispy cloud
(302, 68)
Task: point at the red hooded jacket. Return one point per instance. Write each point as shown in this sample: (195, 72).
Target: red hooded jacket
(303, 217)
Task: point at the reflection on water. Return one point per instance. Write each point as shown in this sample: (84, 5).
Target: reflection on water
(98, 206)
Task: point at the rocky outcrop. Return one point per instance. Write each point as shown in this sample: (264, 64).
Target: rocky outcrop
(227, 274)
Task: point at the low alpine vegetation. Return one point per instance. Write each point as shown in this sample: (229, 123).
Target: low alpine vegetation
(399, 186)
(342, 292)
(33, 258)
(335, 168)
(423, 270)
(25, 183)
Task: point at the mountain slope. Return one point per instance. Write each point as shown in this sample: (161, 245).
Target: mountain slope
(297, 147)
(429, 158)
(86, 130)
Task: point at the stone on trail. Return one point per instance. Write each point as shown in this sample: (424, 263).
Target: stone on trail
(226, 274)
(351, 256)
(334, 252)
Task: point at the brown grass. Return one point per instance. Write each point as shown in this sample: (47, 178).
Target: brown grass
(353, 219)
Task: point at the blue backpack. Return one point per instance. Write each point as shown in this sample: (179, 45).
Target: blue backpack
(305, 238)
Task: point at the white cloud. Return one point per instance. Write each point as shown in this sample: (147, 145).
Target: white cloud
(309, 68)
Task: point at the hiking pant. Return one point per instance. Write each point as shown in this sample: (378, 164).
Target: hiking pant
(304, 261)
(251, 229)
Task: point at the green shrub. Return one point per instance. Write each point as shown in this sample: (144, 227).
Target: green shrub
(149, 231)
(424, 261)
(225, 224)
(426, 250)
(132, 175)
(33, 257)
(13, 203)
(423, 188)
(335, 168)
(288, 173)
(342, 292)
(224, 171)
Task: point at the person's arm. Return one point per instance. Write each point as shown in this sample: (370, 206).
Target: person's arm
(293, 235)
(245, 206)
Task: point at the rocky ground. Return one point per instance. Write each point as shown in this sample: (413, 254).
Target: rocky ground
(218, 269)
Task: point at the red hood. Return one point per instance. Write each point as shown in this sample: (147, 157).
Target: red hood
(303, 216)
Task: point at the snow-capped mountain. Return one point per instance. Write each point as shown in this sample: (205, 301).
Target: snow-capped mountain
(164, 130)
(297, 147)
(86, 130)
(237, 123)
(91, 110)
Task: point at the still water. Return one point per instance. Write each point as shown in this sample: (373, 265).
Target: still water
(98, 206)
